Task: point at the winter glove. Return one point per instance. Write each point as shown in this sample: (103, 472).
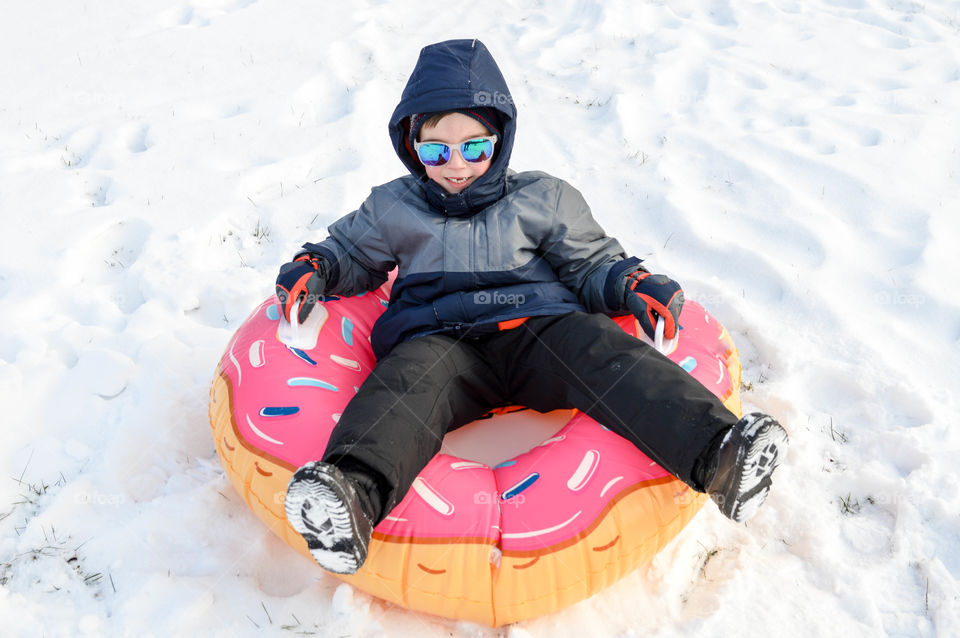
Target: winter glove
(305, 278)
(650, 296)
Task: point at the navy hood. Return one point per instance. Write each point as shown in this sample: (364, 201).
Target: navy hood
(456, 74)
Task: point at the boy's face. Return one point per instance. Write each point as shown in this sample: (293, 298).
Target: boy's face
(453, 129)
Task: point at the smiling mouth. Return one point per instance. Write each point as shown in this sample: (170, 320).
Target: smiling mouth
(459, 181)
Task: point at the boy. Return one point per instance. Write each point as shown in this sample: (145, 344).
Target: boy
(505, 283)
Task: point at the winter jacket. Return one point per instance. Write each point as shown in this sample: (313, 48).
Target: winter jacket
(511, 245)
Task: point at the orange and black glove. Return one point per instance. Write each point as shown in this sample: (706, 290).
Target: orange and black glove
(305, 279)
(651, 296)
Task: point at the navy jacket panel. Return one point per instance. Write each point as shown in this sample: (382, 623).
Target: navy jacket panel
(535, 251)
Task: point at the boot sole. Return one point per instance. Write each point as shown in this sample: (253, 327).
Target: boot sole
(754, 471)
(316, 506)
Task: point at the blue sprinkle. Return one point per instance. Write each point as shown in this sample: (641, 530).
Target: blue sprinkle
(313, 383)
(505, 464)
(688, 364)
(519, 487)
(273, 312)
(279, 411)
(303, 355)
(346, 329)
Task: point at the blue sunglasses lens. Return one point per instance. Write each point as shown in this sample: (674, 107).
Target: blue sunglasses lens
(438, 153)
(434, 153)
(476, 150)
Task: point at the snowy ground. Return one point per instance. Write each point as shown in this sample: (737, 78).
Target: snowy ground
(793, 164)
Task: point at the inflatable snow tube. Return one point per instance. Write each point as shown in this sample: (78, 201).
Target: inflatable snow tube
(493, 545)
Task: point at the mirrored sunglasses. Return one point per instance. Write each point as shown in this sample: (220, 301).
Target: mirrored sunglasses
(478, 149)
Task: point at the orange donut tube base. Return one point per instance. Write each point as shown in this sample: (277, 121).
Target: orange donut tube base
(549, 528)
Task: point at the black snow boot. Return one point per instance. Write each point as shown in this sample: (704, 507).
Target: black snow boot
(737, 470)
(323, 506)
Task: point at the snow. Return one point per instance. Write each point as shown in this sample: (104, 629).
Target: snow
(792, 164)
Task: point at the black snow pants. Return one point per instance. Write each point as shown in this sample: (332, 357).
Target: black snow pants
(430, 385)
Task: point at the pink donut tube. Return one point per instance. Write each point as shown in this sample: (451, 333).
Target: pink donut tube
(498, 544)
